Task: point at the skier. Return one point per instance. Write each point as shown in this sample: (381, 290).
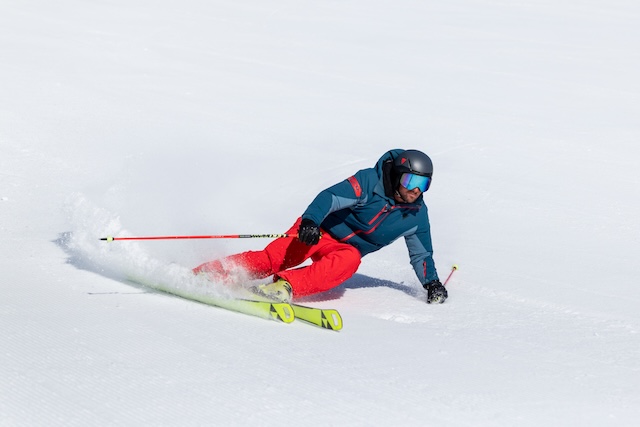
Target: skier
(345, 222)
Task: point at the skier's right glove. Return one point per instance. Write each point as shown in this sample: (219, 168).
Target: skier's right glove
(436, 292)
(309, 232)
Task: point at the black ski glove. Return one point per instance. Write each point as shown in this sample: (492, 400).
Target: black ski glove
(436, 293)
(309, 232)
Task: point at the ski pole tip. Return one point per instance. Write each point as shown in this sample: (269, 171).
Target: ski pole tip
(454, 267)
(108, 238)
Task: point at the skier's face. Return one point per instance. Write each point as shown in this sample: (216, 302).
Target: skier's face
(406, 196)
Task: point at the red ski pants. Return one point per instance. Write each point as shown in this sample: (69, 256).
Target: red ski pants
(333, 263)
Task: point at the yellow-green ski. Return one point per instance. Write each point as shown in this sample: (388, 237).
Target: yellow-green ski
(255, 305)
(325, 318)
(280, 311)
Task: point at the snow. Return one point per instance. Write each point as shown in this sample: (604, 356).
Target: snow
(155, 118)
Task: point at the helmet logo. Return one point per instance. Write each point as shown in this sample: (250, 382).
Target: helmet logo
(403, 160)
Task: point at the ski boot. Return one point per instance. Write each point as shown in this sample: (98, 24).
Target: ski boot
(279, 291)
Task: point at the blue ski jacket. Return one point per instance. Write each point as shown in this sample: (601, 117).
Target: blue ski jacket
(362, 212)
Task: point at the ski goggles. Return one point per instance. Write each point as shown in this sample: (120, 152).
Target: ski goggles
(411, 181)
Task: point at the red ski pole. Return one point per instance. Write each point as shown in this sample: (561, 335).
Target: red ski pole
(226, 236)
(454, 268)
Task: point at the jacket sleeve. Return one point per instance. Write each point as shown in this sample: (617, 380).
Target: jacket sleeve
(342, 195)
(421, 252)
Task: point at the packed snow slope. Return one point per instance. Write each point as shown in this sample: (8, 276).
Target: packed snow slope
(225, 117)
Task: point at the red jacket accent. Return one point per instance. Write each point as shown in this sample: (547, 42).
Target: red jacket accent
(356, 185)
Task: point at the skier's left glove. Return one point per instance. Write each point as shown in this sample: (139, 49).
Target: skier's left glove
(436, 293)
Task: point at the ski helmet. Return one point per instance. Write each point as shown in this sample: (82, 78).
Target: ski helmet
(411, 162)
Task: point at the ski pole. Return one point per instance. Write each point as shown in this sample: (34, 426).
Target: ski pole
(226, 236)
(454, 268)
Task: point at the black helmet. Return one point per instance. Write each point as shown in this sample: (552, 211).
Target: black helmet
(412, 161)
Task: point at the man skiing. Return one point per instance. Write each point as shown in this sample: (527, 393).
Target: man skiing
(345, 222)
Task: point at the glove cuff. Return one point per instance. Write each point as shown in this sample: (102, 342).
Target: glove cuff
(431, 283)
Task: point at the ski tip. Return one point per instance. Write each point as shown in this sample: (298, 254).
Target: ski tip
(282, 311)
(331, 319)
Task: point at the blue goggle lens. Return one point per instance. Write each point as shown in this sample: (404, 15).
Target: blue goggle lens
(411, 181)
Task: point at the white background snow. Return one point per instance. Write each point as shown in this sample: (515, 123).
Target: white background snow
(224, 117)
